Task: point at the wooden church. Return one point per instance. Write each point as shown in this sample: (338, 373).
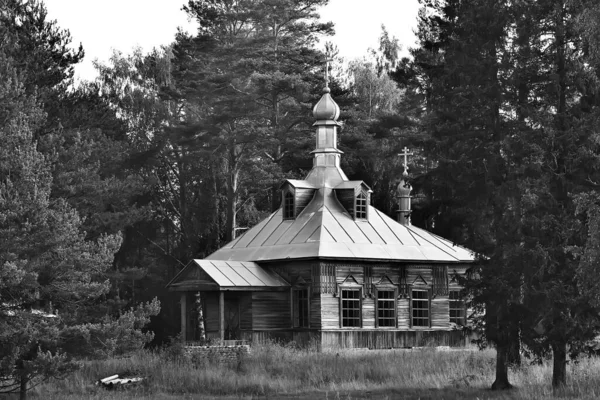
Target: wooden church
(329, 268)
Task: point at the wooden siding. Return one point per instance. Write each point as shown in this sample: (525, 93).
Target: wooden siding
(344, 270)
(346, 199)
(302, 198)
(440, 312)
(245, 311)
(211, 312)
(403, 305)
(413, 272)
(330, 311)
(388, 339)
(315, 312)
(368, 312)
(325, 278)
(270, 310)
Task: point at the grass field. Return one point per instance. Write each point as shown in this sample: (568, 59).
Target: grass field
(275, 371)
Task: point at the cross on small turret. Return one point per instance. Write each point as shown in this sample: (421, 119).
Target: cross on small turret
(327, 61)
(405, 153)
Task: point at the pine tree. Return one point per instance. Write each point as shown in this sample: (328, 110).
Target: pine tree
(50, 275)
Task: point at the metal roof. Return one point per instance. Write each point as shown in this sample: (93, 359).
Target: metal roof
(324, 229)
(225, 275)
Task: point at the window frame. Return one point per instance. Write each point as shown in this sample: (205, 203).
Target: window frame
(351, 288)
(361, 196)
(295, 307)
(286, 206)
(412, 308)
(462, 309)
(393, 299)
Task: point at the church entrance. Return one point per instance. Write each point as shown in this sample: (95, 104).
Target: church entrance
(232, 316)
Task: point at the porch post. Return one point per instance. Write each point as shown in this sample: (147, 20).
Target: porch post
(183, 304)
(222, 315)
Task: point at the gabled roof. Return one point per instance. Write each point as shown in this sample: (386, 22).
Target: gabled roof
(225, 275)
(298, 184)
(324, 229)
(353, 185)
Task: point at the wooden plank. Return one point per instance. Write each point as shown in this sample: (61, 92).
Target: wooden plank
(211, 313)
(270, 310)
(368, 312)
(246, 311)
(315, 312)
(378, 339)
(330, 310)
(440, 313)
(354, 269)
(303, 197)
(403, 313)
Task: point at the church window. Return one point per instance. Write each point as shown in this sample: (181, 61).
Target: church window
(301, 308)
(360, 206)
(386, 308)
(457, 307)
(288, 206)
(351, 307)
(420, 308)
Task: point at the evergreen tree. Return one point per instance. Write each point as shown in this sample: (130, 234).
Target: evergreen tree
(50, 276)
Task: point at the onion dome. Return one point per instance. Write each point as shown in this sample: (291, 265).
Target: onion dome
(326, 108)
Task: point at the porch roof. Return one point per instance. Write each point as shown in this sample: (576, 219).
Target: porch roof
(226, 275)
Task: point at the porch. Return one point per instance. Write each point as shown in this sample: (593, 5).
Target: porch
(215, 297)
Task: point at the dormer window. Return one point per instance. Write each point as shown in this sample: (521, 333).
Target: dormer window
(354, 196)
(288, 206)
(360, 206)
(296, 195)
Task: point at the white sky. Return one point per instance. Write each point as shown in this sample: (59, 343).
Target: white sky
(124, 24)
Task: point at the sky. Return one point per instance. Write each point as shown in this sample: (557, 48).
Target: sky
(102, 26)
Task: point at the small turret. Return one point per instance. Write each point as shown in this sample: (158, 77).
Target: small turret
(326, 171)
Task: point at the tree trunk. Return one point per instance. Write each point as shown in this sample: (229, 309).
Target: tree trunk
(23, 388)
(232, 190)
(559, 370)
(501, 382)
(200, 306)
(514, 348)
(231, 212)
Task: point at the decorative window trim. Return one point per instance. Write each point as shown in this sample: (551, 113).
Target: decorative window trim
(343, 290)
(289, 205)
(427, 290)
(393, 299)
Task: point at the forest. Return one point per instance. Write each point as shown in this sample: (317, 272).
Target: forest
(109, 187)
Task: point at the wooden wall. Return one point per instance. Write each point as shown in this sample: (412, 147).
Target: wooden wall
(388, 339)
(302, 198)
(271, 310)
(414, 276)
(211, 314)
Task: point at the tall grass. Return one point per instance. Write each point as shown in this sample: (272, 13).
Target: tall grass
(275, 370)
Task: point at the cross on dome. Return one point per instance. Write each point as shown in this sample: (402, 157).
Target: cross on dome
(327, 61)
(405, 153)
